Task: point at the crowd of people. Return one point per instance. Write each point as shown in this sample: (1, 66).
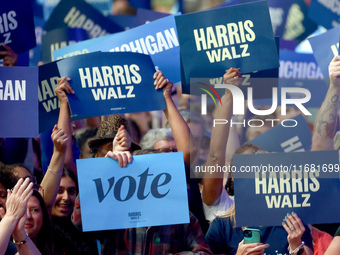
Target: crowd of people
(40, 207)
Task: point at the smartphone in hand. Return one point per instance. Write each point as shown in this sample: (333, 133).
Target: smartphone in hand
(251, 235)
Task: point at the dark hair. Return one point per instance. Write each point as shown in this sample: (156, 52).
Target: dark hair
(84, 136)
(7, 178)
(69, 173)
(12, 166)
(44, 241)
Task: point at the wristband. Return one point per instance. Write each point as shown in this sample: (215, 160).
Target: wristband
(57, 172)
(22, 242)
(300, 247)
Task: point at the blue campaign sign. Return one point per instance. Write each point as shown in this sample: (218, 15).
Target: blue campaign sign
(325, 46)
(278, 14)
(151, 191)
(48, 102)
(325, 13)
(125, 21)
(17, 26)
(35, 53)
(77, 13)
(78, 48)
(111, 83)
(279, 183)
(261, 82)
(19, 102)
(238, 36)
(288, 44)
(290, 135)
(103, 6)
(298, 26)
(157, 39)
(301, 71)
(60, 38)
(145, 16)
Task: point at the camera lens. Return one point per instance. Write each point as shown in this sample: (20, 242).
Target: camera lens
(247, 233)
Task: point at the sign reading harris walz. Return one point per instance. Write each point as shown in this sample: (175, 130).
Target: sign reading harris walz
(17, 25)
(238, 36)
(111, 83)
(275, 184)
(151, 191)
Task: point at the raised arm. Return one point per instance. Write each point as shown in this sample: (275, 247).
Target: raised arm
(326, 120)
(51, 181)
(213, 182)
(180, 129)
(64, 121)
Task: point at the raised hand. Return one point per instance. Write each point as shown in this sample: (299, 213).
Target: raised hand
(123, 157)
(63, 88)
(59, 139)
(163, 83)
(10, 57)
(252, 248)
(122, 140)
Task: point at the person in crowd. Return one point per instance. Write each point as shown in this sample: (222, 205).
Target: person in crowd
(82, 142)
(334, 246)
(326, 122)
(159, 139)
(67, 239)
(214, 196)
(37, 224)
(169, 239)
(113, 134)
(224, 238)
(13, 221)
(321, 240)
(21, 171)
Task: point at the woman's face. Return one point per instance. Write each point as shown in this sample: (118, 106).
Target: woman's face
(34, 220)
(64, 202)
